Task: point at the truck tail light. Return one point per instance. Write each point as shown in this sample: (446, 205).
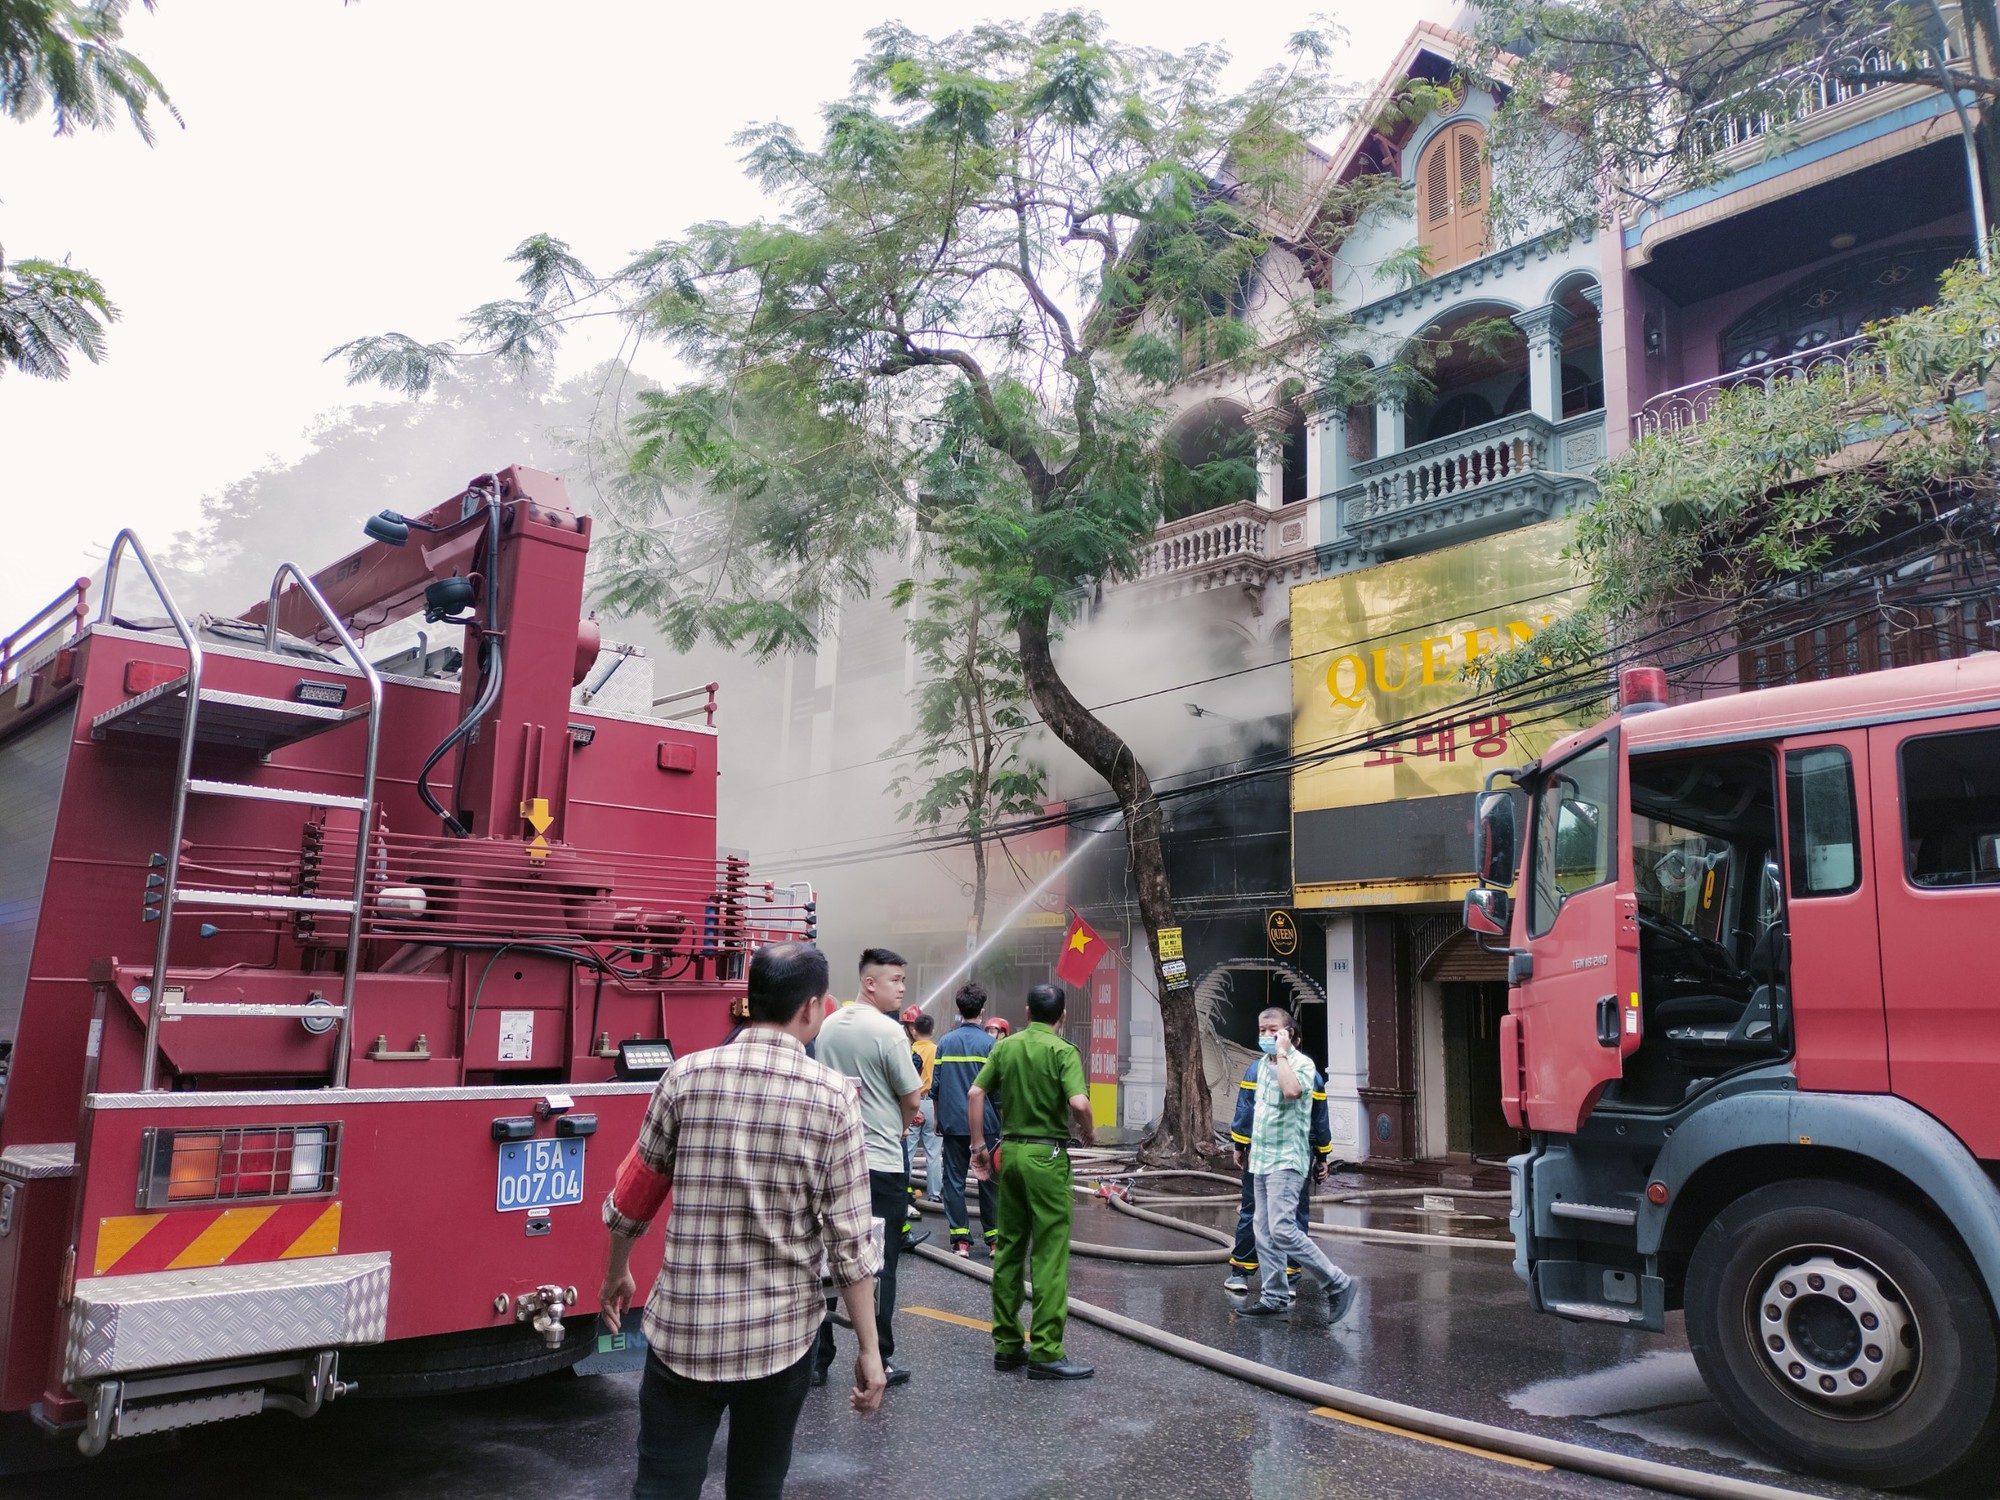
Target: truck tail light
(237, 1162)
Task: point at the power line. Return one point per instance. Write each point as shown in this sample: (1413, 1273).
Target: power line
(1588, 689)
(1182, 687)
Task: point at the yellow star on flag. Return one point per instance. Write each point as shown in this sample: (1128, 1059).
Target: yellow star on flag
(1078, 942)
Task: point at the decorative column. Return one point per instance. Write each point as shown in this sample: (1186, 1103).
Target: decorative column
(1329, 469)
(1544, 327)
(1268, 423)
(1388, 427)
(1346, 1041)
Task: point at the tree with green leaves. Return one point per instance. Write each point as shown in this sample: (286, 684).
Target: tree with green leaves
(1652, 95)
(967, 771)
(997, 254)
(1616, 104)
(1785, 476)
(67, 59)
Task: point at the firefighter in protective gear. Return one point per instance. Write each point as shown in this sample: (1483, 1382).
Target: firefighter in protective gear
(1243, 1258)
(960, 1055)
(1038, 1079)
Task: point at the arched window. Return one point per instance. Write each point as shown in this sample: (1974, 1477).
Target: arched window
(1452, 185)
(1833, 302)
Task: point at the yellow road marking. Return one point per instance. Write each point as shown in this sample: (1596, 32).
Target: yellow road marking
(117, 1236)
(322, 1236)
(945, 1317)
(222, 1239)
(1424, 1437)
(1318, 1411)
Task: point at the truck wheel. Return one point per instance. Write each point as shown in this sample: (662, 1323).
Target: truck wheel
(1844, 1333)
(473, 1360)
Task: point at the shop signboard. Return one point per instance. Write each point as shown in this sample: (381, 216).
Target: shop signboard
(1391, 737)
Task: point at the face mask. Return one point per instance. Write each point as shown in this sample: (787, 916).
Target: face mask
(1269, 1044)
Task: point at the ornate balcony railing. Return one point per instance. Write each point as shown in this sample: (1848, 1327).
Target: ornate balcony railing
(1786, 98)
(1210, 539)
(1520, 464)
(1683, 408)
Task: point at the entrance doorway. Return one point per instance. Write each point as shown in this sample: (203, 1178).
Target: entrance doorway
(1474, 1123)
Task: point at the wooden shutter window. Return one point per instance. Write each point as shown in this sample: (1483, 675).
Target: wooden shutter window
(1437, 187)
(1451, 196)
(1471, 192)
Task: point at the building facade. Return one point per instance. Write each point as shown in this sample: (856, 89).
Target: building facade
(1387, 545)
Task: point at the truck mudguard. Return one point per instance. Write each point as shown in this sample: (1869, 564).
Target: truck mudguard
(1884, 1129)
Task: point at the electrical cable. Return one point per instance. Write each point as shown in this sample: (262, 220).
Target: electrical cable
(491, 668)
(1676, 631)
(1374, 737)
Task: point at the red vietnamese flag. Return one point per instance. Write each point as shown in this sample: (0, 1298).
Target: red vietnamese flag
(1082, 951)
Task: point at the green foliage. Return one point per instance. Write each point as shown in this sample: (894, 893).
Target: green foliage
(1641, 93)
(953, 327)
(966, 772)
(516, 332)
(66, 58)
(47, 312)
(1781, 473)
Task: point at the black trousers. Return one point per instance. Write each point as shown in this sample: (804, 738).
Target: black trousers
(677, 1422)
(957, 1161)
(888, 1200)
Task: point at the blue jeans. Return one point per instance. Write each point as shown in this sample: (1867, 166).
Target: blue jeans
(678, 1418)
(1279, 1238)
(925, 1133)
(1243, 1257)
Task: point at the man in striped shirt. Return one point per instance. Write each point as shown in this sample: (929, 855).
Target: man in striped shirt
(762, 1149)
(1279, 1160)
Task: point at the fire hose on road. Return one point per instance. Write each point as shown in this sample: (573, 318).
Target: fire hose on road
(1574, 1457)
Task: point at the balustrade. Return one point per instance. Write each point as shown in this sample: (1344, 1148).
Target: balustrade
(1683, 408)
(1202, 541)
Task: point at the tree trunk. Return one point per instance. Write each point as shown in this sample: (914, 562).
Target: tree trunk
(1185, 1129)
(978, 893)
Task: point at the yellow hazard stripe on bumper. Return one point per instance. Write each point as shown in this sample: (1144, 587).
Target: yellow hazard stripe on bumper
(223, 1238)
(322, 1236)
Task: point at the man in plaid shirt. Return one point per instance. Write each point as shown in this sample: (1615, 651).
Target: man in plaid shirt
(762, 1148)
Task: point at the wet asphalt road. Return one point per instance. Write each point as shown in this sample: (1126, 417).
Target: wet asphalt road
(1438, 1327)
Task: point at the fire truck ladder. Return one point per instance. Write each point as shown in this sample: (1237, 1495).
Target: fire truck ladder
(186, 711)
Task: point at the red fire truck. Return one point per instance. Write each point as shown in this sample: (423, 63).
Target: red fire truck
(1754, 1031)
(330, 993)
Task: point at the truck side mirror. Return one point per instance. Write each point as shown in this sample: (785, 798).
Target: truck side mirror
(1493, 838)
(1489, 912)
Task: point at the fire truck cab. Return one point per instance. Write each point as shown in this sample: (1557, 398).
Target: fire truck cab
(334, 977)
(1754, 1031)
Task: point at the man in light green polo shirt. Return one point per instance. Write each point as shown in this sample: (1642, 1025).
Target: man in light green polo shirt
(863, 1042)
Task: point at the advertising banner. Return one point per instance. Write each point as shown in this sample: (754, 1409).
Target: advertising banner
(1383, 652)
(1104, 1048)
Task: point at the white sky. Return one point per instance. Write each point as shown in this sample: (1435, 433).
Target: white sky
(349, 169)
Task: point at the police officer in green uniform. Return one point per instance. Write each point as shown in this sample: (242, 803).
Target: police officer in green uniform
(1037, 1079)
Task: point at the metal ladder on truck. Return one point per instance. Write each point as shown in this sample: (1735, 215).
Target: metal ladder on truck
(183, 709)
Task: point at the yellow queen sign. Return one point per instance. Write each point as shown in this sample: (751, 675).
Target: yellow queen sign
(1381, 654)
